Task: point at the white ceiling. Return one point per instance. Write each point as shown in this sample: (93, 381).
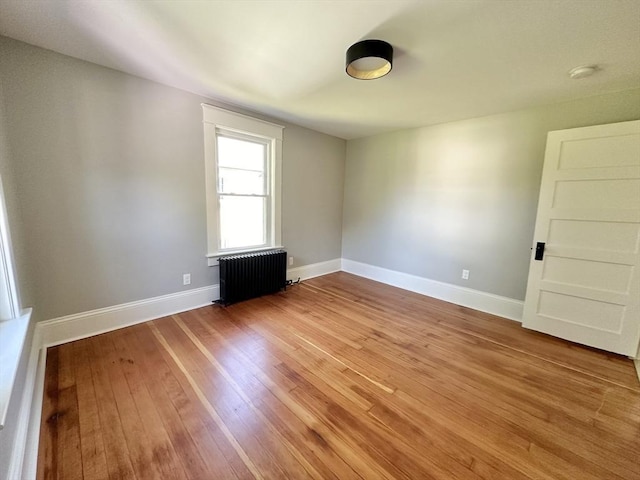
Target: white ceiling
(285, 58)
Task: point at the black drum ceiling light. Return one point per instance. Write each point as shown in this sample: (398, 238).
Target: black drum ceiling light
(369, 59)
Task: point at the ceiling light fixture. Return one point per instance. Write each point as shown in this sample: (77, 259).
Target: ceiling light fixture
(369, 59)
(583, 71)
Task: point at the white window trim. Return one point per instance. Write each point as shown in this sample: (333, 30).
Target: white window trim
(14, 324)
(10, 300)
(215, 119)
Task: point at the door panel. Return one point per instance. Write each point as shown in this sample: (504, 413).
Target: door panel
(607, 236)
(580, 311)
(606, 276)
(595, 193)
(587, 286)
(612, 151)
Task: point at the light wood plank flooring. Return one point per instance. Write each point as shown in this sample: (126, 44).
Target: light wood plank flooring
(338, 378)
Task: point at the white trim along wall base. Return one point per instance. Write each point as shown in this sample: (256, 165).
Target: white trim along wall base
(485, 302)
(24, 459)
(86, 324)
(315, 269)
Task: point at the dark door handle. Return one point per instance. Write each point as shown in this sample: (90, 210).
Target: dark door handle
(539, 250)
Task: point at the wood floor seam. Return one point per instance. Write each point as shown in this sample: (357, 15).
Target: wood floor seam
(357, 372)
(310, 469)
(236, 446)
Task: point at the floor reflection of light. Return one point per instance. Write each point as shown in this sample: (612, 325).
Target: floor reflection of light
(234, 372)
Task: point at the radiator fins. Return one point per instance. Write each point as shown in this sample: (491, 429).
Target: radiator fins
(252, 275)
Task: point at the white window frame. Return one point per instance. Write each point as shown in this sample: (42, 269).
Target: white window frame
(220, 121)
(14, 323)
(267, 195)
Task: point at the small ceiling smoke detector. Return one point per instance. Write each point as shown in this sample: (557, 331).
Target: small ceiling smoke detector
(583, 71)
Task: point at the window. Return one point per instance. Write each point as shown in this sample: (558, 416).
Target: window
(242, 168)
(14, 323)
(243, 191)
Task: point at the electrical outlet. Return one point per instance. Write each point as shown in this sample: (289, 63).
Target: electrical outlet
(465, 274)
(186, 279)
(290, 261)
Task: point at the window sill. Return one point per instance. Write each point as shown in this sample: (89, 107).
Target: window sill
(212, 258)
(13, 333)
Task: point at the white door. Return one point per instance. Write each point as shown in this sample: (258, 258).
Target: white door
(586, 286)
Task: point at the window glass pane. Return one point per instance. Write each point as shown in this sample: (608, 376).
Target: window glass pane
(247, 182)
(243, 154)
(242, 221)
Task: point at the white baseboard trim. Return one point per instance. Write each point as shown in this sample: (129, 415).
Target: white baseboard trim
(485, 302)
(87, 324)
(306, 272)
(75, 327)
(30, 464)
(24, 458)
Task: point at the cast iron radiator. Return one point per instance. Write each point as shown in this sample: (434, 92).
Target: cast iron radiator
(251, 275)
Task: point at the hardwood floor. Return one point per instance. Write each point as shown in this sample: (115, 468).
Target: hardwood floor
(338, 378)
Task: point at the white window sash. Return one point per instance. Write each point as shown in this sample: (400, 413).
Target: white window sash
(267, 227)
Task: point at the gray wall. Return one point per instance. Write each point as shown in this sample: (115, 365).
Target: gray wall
(109, 169)
(313, 190)
(435, 200)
